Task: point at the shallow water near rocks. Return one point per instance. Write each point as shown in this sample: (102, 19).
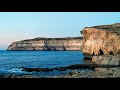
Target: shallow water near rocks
(12, 61)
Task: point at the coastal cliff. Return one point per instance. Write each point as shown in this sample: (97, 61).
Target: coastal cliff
(68, 43)
(102, 40)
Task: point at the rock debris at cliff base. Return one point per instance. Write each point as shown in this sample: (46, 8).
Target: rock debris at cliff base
(111, 72)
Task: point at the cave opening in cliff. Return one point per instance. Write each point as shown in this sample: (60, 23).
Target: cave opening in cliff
(64, 48)
(93, 54)
(48, 49)
(101, 52)
(54, 49)
(111, 53)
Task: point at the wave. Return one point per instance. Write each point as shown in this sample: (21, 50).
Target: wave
(13, 71)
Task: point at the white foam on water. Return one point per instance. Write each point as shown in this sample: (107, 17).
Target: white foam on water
(13, 70)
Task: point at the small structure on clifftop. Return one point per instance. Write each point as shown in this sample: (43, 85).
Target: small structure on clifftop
(101, 40)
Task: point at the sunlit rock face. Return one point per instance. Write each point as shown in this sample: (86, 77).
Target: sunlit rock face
(102, 44)
(68, 43)
(104, 39)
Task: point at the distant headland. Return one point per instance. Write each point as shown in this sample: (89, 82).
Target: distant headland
(45, 44)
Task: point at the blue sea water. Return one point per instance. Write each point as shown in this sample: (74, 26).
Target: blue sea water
(12, 61)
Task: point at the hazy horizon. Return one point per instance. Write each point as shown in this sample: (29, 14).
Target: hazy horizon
(16, 26)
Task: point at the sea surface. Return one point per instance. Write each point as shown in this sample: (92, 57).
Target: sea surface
(11, 62)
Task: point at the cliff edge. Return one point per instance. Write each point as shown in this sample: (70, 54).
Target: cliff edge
(102, 40)
(68, 43)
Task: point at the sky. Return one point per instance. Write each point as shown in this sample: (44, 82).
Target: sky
(16, 26)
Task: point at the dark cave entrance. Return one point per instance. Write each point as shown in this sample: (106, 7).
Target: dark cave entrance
(101, 52)
(64, 48)
(54, 49)
(111, 53)
(93, 54)
(48, 49)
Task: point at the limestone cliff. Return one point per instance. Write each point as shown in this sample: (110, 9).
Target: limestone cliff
(104, 39)
(102, 44)
(68, 43)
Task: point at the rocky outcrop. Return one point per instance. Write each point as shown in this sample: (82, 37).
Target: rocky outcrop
(102, 40)
(68, 43)
(106, 60)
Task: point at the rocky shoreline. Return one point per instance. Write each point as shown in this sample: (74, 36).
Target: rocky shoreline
(99, 43)
(76, 71)
(113, 72)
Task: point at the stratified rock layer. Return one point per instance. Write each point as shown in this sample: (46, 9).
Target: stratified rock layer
(68, 43)
(104, 39)
(102, 44)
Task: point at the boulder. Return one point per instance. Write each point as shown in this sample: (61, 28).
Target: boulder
(106, 60)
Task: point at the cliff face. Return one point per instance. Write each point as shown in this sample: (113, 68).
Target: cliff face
(104, 39)
(70, 43)
(102, 44)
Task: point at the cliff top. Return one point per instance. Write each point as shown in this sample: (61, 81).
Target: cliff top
(115, 28)
(65, 38)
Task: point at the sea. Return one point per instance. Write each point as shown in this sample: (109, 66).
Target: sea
(13, 62)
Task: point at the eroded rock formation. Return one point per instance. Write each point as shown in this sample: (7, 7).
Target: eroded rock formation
(102, 40)
(68, 43)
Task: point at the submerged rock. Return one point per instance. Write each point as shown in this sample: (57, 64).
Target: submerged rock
(70, 67)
